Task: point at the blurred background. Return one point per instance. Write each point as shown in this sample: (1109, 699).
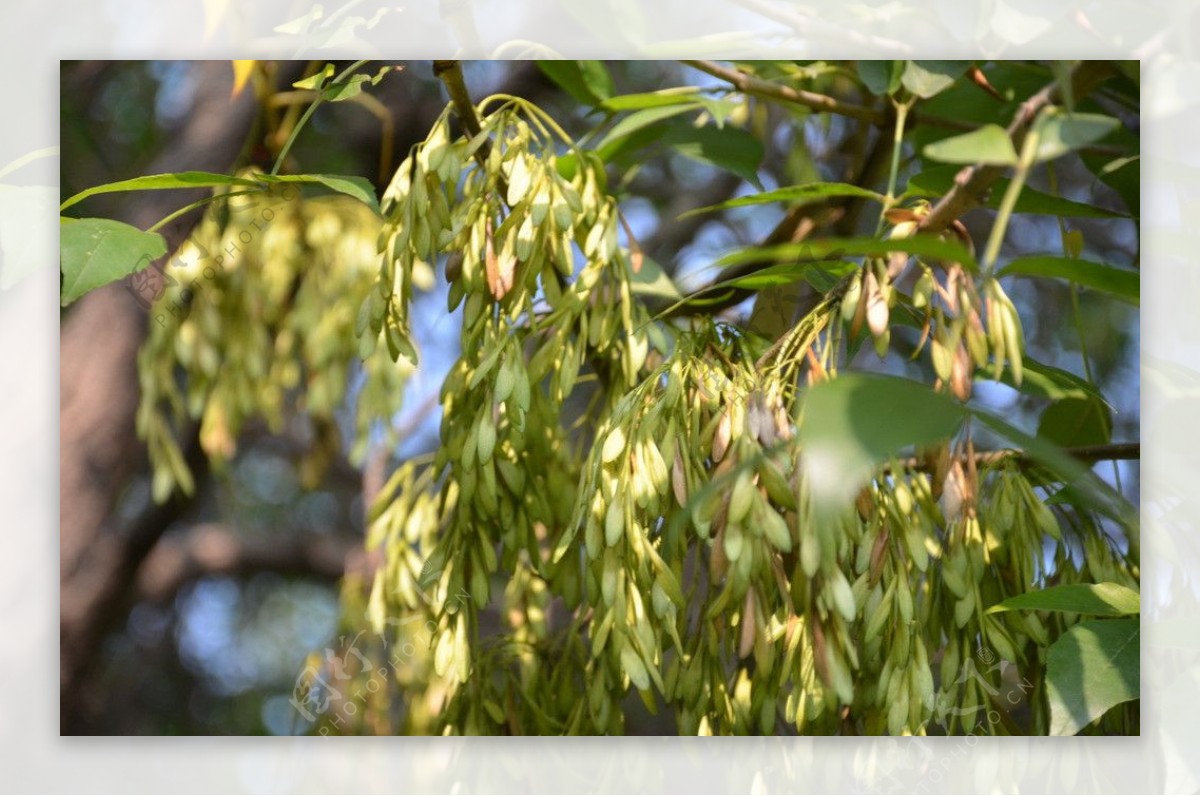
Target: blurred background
(197, 617)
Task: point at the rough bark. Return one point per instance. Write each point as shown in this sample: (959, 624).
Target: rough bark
(98, 389)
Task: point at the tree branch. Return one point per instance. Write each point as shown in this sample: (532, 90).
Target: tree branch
(451, 75)
(749, 84)
(972, 183)
(1089, 454)
(879, 117)
(98, 444)
(214, 549)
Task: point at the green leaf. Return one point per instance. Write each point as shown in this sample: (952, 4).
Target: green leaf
(937, 181)
(927, 78)
(1121, 283)
(621, 132)
(964, 102)
(1122, 174)
(821, 274)
(652, 280)
(988, 144)
(800, 194)
(588, 82)
(852, 424)
(97, 251)
(597, 79)
(1091, 668)
(779, 274)
(881, 77)
(315, 80)
(718, 107)
(1046, 381)
(356, 187)
(686, 95)
(1076, 421)
(353, 85)
(158, 182)
(832, 248)
(1096, 599)
(729, 148)
(1059, 132)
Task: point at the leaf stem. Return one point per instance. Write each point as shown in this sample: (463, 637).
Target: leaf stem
(897, 148)
(1020, 173)
(200, 203)
(316, 103)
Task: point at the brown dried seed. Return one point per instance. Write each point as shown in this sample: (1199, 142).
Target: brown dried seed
(679, 480)
(718, 562)
(937, 464)
(722, 436)
(960, 374)
(877, 552)
(954, 495)
(864, 503)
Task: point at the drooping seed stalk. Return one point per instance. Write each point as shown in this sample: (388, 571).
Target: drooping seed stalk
(1020, 173)
(316, 103)
(897, 147)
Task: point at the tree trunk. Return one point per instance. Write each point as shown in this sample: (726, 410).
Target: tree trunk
(99, 450)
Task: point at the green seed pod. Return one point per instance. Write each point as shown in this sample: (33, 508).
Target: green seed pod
(741, 498)
(904, 601)
(880, 614)
(964, 609)
(773, 527)
(614, 446)
(842, 595)
(776, 485)
(614, 523)
(633, 666)
(486, 437)
(733, 541)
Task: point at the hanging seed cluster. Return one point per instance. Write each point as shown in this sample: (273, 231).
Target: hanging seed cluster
(968, 324)
(255, 317)
(534, 263)
(678, 554)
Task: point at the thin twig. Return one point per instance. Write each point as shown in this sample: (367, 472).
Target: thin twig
(749, 84)
(451, 75)
(880, 117)
(1116, 451)
(972, 183)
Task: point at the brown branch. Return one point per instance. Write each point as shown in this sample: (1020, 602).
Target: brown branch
(749, 84)
(972, 183)
(451, 75)
(879, 117)
(1089, 454)
(214, 549)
